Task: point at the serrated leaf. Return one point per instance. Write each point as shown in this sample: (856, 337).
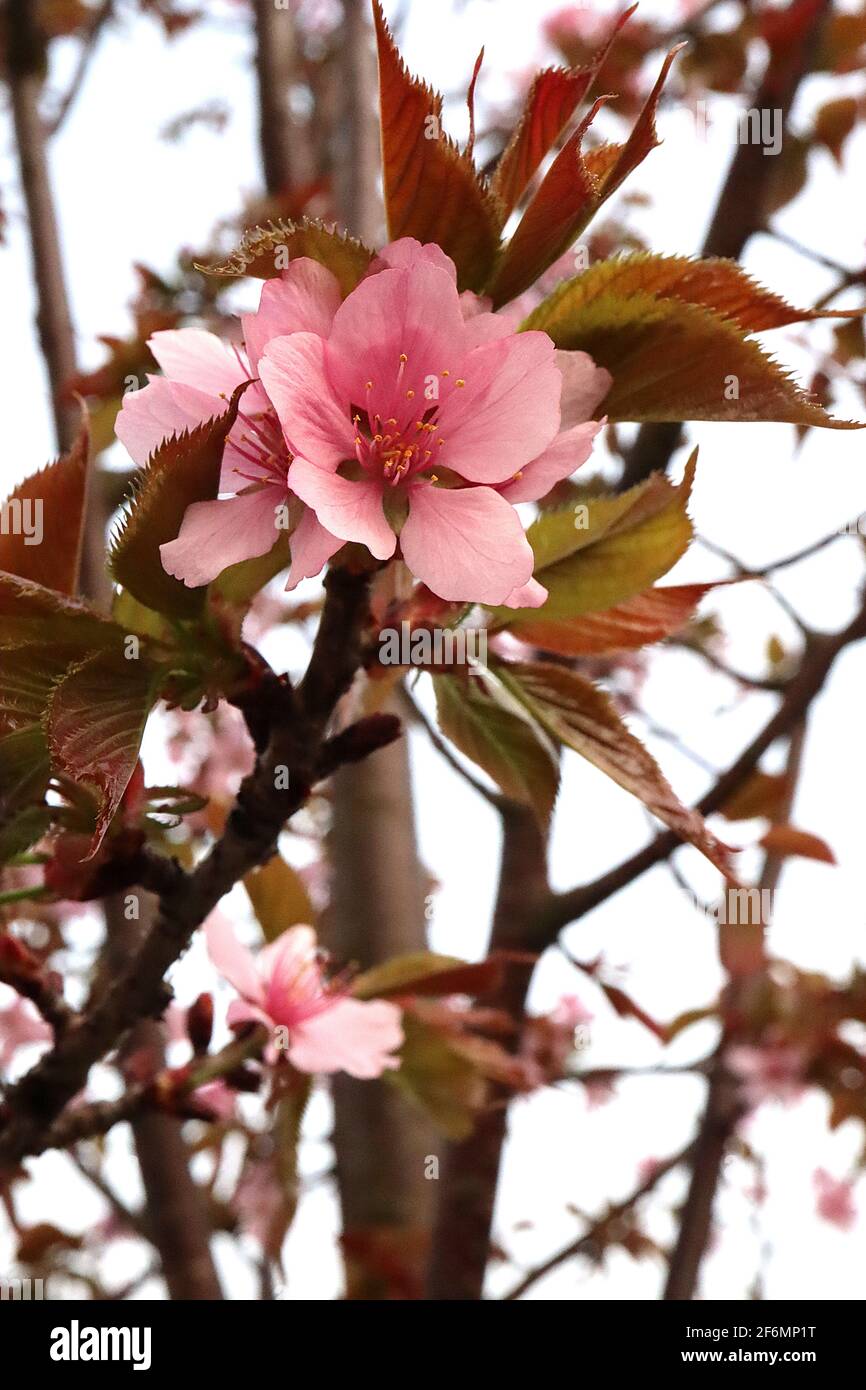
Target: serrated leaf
(648, 617)
(279, 897)
(675, 361)
(432, 190)
(583, 717)
(30, 613)
(630, 541)
(263, 250)
(570, 195)
(53, 502)
(552, 100)
(425, 972)
(719, 285)
(508, 748)
(94, 725)
(26, 681)
(183, 470)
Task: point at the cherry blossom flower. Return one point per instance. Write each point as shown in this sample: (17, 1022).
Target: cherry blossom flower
(422, 416)
(768, 1073)
(200, 373)
(405, 411)
(284, 987)
(835, 1199)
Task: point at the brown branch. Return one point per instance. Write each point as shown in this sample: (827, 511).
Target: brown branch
(470, 1170)
(25, 60)
(819, 656)
(87, 50)
(263, 805)
(588, 1243)
(723, 1107)
(282, 141)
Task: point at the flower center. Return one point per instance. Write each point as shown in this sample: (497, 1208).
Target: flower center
(402, 444)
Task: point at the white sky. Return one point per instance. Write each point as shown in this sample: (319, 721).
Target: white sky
(125, 195)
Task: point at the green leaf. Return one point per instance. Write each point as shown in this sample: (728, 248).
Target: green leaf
(265, 251)
(676, 361)
(583, 717)
(628, 542)
(23, 829)
(509, 748)
(94, 725)
(240, 583)
(183, 470)
(24, 768)
(446, 1086)
(52, 504)
(279, 897)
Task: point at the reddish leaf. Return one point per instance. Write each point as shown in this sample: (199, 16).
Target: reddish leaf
(94, 725)
(788, 840)
(432, 190)
(572, 191)
(51, 503)
(762, 794)
(183, 470)
(649, 617)
(552, 101)
(582, 717)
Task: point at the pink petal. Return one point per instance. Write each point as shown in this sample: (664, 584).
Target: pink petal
(303, 299)
(508, 411)
(233, 961)
(350, 510)
(465, 543)
(312, 548)
(531, 595)
(194, 357)
(567, 452)
(584, 386)
(160, 409)
(315, 422)
(351, 1036)
(217, 534)
(407, 253)
(397, 313)
(293, 978)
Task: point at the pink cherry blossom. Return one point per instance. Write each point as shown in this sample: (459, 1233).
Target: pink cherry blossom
(200, 373)
(772, 1072)
(835, 1199)
(415, 385)
(284, 987)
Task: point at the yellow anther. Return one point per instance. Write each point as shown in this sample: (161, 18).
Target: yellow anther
(409, 395)
(368, 385)
(460, 382)
(403, 357)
